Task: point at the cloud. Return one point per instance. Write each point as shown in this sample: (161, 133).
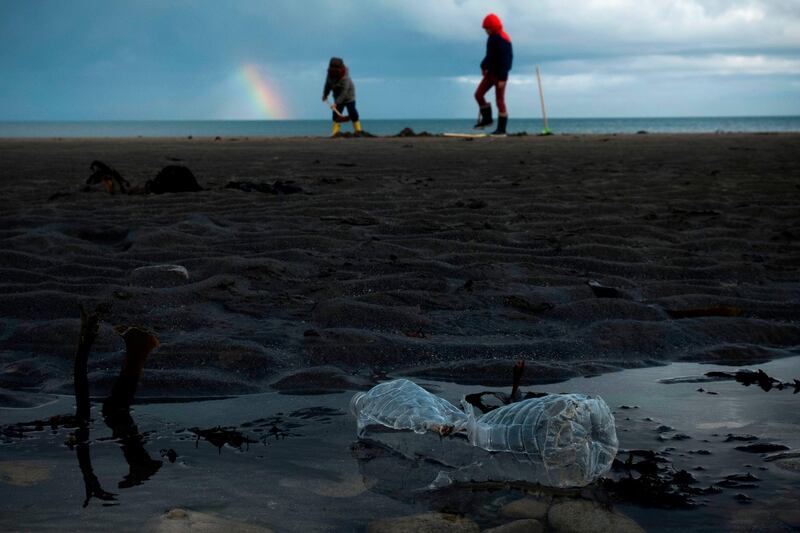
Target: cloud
(178, 59)
(585, 24)
(717, 65)
(587, 75)
(577, 82)
(678, 66)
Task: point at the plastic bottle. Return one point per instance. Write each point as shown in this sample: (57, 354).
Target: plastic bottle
(571, 437)
(402, 404)
(560, 440)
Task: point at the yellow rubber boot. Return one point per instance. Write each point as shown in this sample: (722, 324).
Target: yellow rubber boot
(336, 129)
(357, 127)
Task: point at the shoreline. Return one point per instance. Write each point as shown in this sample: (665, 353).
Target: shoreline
(323, 136)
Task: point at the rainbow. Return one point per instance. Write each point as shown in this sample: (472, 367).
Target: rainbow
(264, 96)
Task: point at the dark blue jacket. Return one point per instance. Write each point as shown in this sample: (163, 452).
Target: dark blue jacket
(499, 56)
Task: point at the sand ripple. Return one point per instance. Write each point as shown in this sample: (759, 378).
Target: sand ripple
(449, 259)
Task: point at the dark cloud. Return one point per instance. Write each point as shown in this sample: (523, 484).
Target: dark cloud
(152, 59)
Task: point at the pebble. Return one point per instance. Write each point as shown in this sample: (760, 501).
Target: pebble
(525, 508)
(583, 516)
(424, 523)
(24, 473)
(179, 520)
(159, 276)
(518, 526)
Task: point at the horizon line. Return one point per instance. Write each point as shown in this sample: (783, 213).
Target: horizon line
(7, 121)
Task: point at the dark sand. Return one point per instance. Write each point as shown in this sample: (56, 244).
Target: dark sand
(442, 258)
(437, 259)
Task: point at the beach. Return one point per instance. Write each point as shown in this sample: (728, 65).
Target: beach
(431, 257)
(306, 269)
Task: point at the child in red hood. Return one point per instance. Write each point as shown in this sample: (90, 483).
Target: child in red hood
(495, 67)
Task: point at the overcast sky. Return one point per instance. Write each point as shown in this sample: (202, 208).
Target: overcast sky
(186, 59)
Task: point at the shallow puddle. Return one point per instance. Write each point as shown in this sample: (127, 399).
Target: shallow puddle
(292, 463)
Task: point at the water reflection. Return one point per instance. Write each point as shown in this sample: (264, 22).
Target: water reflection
(90, 481)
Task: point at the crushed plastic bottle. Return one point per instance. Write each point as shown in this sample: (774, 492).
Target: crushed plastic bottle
(402, 404)
(559, 440)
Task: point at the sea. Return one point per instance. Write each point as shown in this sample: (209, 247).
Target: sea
(385, 127)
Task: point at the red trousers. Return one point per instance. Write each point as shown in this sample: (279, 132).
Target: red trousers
(489, 81)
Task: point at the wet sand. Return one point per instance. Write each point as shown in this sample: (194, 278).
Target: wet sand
(427, 257)
(296, 465)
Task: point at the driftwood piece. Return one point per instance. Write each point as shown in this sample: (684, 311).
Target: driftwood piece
(110, 178)
(90, 327)
(139, 342)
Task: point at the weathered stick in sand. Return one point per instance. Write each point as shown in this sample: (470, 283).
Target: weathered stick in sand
(139, 342)
(90, 327)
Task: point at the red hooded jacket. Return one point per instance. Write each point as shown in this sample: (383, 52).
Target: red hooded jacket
(493, 23)
(499, 53)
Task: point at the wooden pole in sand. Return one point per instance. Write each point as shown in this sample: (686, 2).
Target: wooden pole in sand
(546, 130)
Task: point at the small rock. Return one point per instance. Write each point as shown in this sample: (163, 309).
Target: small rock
(790, 465)
(173, 178)
(518, 526)
(24, 473)
(700, 452)
(179, 520)
(424, 523)
(159, 276)
(762, 447)
(583, 516)
(746, 477)
(603, 291)
(177, 514)
(525, 508)
(791, 454)
(730, 437)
